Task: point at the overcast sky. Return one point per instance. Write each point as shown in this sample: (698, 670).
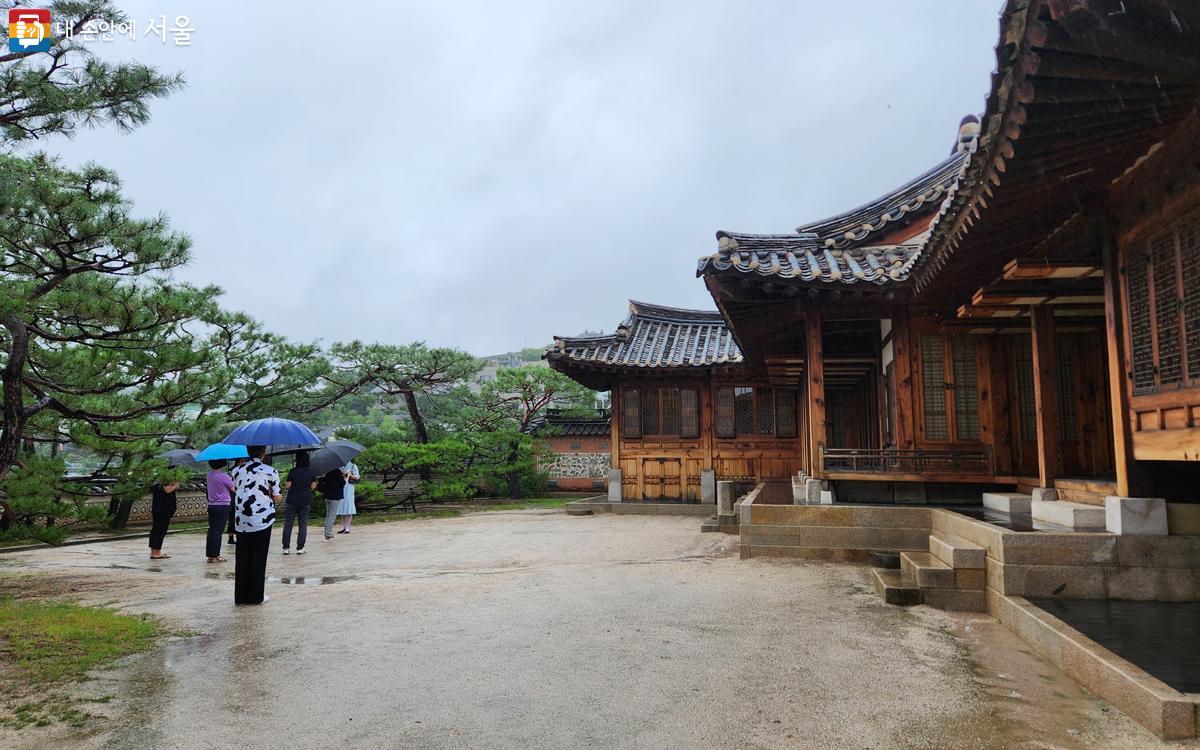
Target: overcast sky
(489, 174)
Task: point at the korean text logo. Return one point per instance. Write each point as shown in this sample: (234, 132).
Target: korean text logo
(28, 30)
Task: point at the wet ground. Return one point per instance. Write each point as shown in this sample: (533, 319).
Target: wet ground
(535, 629)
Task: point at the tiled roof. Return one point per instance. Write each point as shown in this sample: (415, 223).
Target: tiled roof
(652, 336)
(837, 249)
(573, 426)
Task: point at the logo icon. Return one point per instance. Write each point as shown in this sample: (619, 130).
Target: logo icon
(28, 30)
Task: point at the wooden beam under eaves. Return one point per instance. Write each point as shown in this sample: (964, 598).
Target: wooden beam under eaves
(1025, 269)
(1061, 307)
(992, 296)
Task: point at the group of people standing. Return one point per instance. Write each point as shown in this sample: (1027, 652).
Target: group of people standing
(244, 499)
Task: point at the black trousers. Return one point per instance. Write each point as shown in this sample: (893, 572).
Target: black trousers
(231, 515)
(158, 530)
(217, 515)
(250, 567)
(300, 514)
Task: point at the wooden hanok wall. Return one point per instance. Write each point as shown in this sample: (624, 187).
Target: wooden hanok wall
(670, 467)
(1157, 206)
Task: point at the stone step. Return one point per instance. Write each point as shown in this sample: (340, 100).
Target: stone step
(890, 585)
(926, 571)
(1069, 514)
(955, 552)
(578, 511)
(955, 599)
(1009, 502)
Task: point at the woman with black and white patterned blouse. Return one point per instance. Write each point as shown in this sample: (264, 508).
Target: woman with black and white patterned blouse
(256, 490)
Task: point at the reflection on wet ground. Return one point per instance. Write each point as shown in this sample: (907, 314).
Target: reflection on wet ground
(1159, 637)
(1010, 521)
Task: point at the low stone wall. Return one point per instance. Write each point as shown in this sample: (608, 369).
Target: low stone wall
(579, 466)
(845, 533)
(190, 504)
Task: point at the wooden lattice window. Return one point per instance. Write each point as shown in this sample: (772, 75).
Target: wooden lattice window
(1068, 392)
(1189, 255)
(689, 413)
(1162, 287)
(933, 388)
(726, 414)
(966, 388)
(747, 410)
(785, 412)
(949, 388)
(660, 412)
(1026, 392)
(1137, 280)
(631, 420)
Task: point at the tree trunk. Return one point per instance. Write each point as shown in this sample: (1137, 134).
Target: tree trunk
(12, 427)
(513, 476)
(410, 400)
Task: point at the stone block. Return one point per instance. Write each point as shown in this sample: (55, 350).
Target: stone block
(1158, 552)
(947, 522)
(1135, 515)
(1152, 584)
(890, 516)
(726, 497)
(1050, 581)
(826, 497)
(969, 579)
(708, 486)
(1046, 548)
(1044, 494)
(926, 570)
(889, 585)
(798, 496)
(803, 515)
(1146, 700)
(614, 485)
(955, 600)
(1016, 503)
(956, 552)
(1071, 515)
(812, 491)
(909, 493)
(1183, 519)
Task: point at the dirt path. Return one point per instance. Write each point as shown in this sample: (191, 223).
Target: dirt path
(534, 629)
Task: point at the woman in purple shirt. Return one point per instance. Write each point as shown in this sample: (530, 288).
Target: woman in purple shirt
(220, 489)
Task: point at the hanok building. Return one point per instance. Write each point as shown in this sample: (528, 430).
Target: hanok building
(1020, 324)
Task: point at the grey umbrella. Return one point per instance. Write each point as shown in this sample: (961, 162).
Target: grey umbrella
(180, 457)
(334, 455)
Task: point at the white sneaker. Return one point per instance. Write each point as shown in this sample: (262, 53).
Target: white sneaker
(287, 551)
(300, 551)
(265, 599)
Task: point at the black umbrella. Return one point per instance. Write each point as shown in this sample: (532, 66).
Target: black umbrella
(180, 457)
(334, 455)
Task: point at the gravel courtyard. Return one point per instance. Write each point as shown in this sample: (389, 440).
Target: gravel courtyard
(534, 629)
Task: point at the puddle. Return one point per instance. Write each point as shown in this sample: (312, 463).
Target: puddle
(309, 580)
(289, 580)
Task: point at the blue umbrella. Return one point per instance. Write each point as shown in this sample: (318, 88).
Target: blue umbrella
(273, 431)
(218, 451)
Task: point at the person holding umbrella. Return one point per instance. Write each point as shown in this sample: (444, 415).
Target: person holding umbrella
(162, 508)
(333, 486)
(301, 481)
(256, 490)
(220, 494)
(347, 509)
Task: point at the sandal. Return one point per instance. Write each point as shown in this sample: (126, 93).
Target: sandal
(160, 557)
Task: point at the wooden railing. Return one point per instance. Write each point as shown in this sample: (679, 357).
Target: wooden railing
(895, 461)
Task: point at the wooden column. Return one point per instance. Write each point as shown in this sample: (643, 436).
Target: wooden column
(1117, 380)
(905, 427)
(1045, 390)
(614, 420)
(815, 369)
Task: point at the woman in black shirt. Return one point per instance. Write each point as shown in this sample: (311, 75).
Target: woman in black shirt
(162, 507)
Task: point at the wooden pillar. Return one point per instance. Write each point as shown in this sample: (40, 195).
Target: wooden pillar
(614, 420)
(1045, 391)
(905, 427)
(815, 368)
(1117, 380)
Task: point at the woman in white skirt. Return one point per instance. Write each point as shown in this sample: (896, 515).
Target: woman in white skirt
(347, 510)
